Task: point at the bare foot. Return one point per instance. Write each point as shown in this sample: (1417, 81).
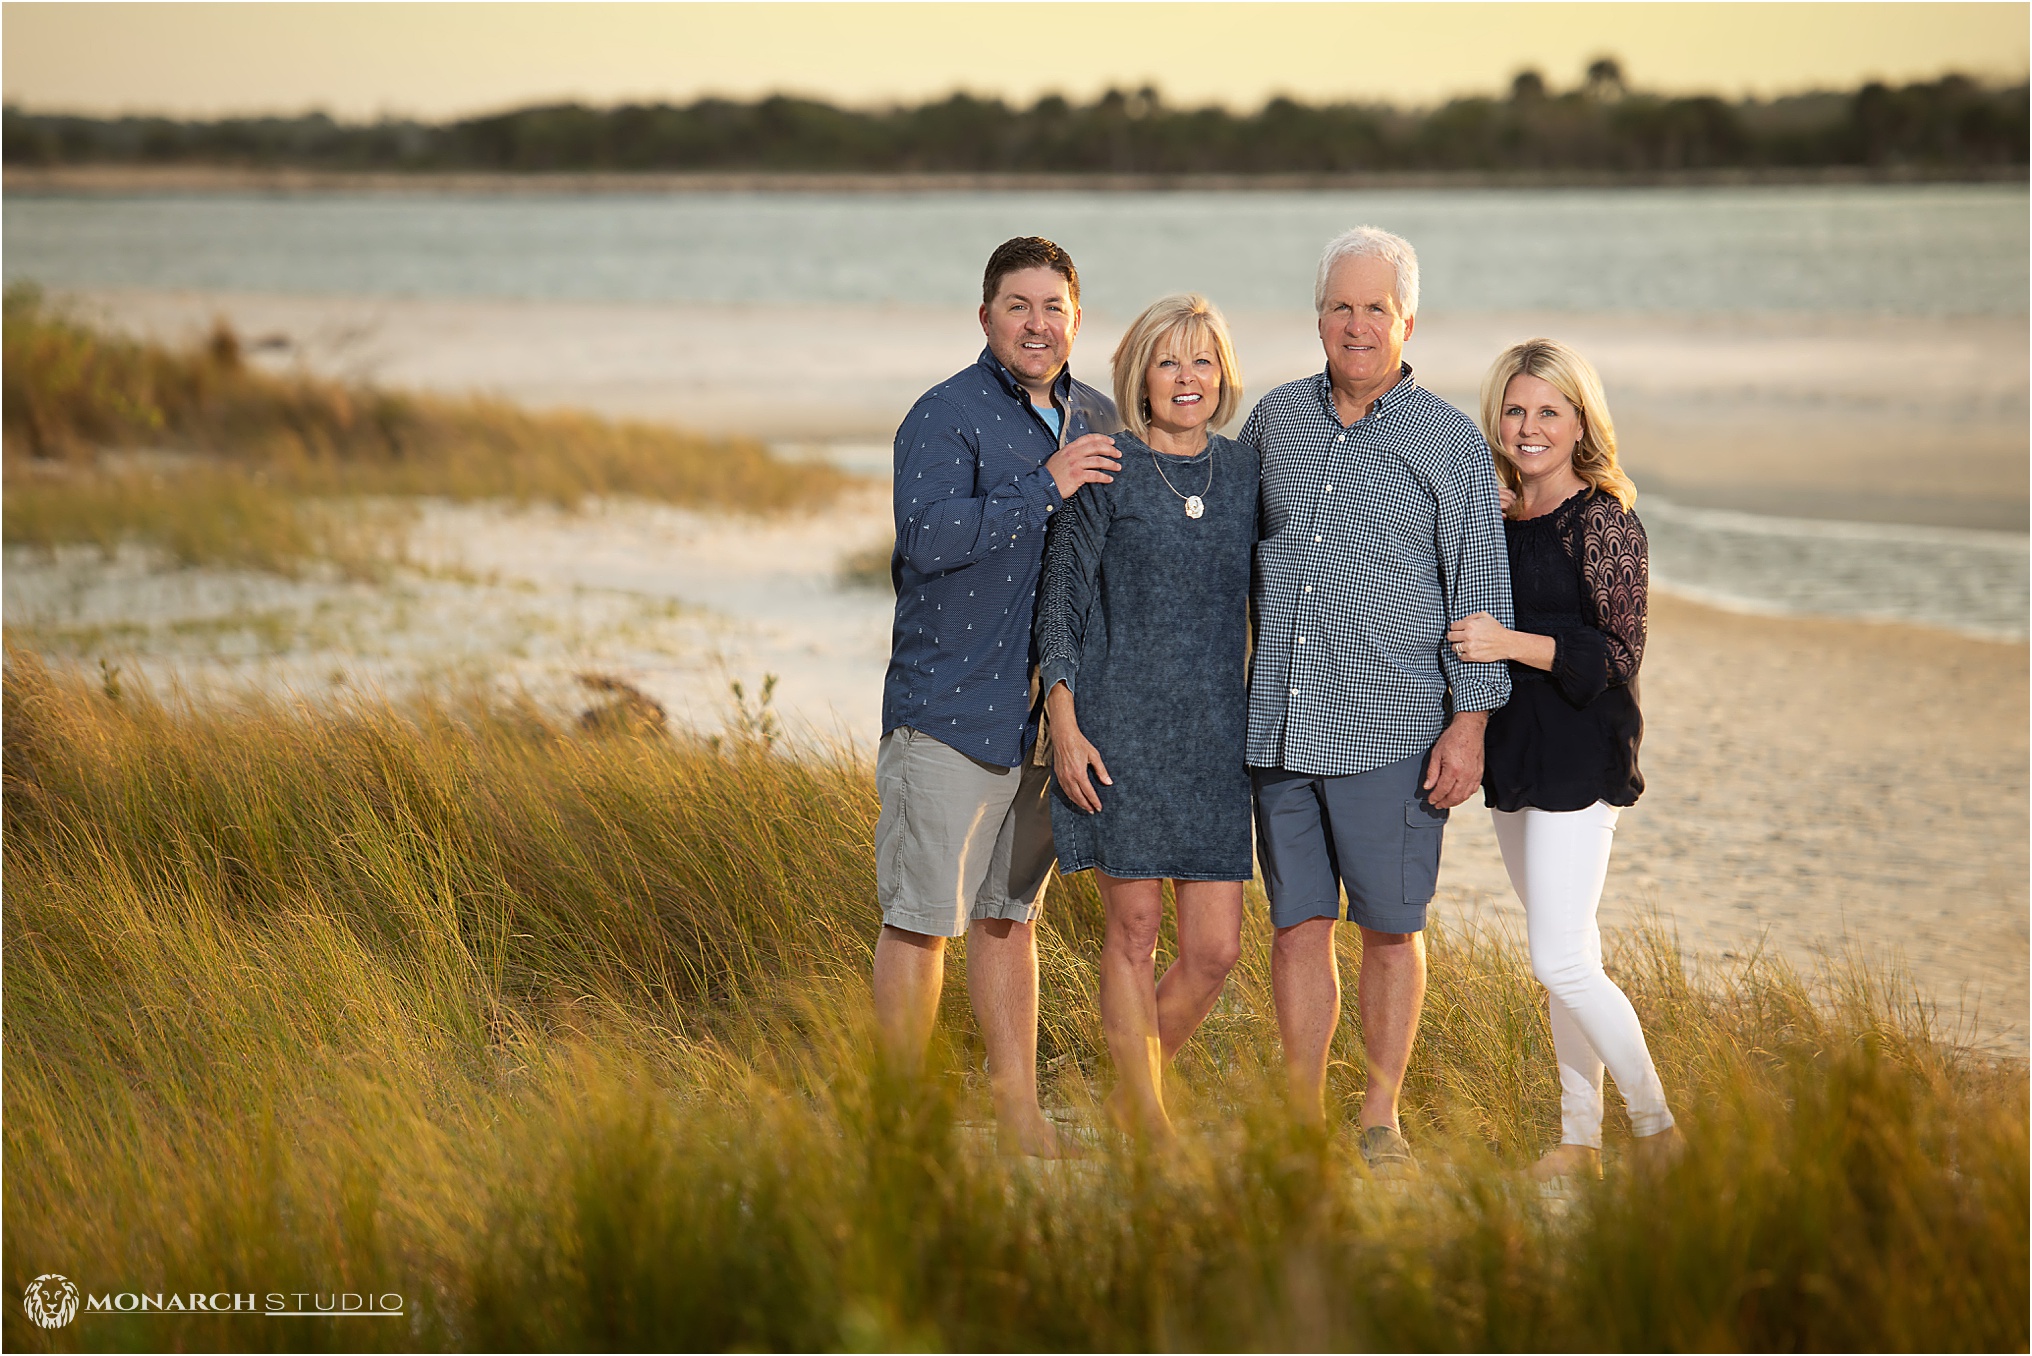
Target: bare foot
(1124, 1115)
(1115, 1106)
(1656, 1153)
(1567, 1160)
(1035, 1137)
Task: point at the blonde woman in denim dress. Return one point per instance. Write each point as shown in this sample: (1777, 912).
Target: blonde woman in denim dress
(1142, 639)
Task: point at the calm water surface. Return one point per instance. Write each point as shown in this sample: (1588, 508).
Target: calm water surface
(1953, 249)
(1978, 583)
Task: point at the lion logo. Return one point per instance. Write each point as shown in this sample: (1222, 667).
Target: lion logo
(51, 1301)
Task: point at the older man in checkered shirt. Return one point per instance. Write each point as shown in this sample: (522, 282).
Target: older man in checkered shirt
(1380, 526)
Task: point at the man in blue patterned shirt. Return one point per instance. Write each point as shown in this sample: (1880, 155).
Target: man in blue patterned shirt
(1380, 527)
(963, 844)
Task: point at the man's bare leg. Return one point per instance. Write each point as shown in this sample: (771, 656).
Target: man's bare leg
(909, 976)
(1390, 994)
(1305, 979)
(1209, 944)
(1002, 980)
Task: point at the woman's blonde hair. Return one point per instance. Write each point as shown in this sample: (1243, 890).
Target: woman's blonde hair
(1574, 377)
(1198, 322)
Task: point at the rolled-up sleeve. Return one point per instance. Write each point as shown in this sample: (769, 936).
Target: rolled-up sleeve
(943, 521)
(1072, 561)
(1475, 573)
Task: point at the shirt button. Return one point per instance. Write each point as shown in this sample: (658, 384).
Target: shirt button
(1308, 588)
(1301, 640)
(1329, 489)
(1315, 536)
(1294, 692)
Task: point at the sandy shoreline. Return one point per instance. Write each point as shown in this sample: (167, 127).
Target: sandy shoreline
(1817, 784)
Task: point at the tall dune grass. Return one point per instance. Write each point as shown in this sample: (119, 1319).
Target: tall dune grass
(562, 1037)
(246, 448)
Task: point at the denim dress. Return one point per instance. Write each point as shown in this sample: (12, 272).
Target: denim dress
(1143, 614)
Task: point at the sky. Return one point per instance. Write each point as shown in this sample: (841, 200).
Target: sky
(437, 60)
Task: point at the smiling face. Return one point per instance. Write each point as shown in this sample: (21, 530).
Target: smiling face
(1539, 428)
(1183, 382)
(1031, 324)
(1363, 327)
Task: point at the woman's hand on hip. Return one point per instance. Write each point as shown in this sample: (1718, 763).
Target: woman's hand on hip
(1072, 756)
(1480, 639)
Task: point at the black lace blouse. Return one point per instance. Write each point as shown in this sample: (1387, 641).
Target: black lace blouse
(1569, 737)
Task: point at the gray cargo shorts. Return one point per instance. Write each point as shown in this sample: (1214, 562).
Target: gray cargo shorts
(958, 839)
(1373, 832)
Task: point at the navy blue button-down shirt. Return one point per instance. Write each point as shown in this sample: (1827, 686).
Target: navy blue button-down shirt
(972, 501)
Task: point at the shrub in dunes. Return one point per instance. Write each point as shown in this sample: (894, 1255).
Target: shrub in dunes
(223, 442)
(560, 1035)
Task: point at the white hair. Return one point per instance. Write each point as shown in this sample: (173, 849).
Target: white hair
(1371, 242)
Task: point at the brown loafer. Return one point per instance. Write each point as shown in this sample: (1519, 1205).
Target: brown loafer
(1386, 1153)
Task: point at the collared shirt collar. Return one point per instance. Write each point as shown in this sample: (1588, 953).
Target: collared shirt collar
(1383, 402)
(1061, 386)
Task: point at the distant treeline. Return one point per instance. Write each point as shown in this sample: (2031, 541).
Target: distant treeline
(1947, 125)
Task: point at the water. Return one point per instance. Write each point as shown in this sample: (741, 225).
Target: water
(1935, 249)
(1978, 583)
(1859, 250)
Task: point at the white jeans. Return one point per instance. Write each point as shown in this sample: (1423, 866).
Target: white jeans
(1557, 862)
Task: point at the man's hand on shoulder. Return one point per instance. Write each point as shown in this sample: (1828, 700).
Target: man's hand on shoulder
(1091, 460)
(1455, 768)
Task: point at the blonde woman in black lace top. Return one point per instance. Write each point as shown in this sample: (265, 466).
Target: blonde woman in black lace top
(1562, 755)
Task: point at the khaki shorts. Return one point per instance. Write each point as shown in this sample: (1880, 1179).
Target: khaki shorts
(958, 839)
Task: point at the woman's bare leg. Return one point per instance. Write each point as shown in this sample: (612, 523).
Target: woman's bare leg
(1135, 910)
(1209, 943)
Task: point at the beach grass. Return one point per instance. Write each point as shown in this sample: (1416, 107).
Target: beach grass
(867, 568)
(214, 459)
(560, 1033)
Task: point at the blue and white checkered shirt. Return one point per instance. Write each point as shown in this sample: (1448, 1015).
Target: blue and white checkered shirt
(1375, 537)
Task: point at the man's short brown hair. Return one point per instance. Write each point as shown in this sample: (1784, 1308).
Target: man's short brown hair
(1027, 251)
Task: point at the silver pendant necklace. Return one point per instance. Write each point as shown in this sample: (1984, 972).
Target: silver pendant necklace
(1194, 504)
